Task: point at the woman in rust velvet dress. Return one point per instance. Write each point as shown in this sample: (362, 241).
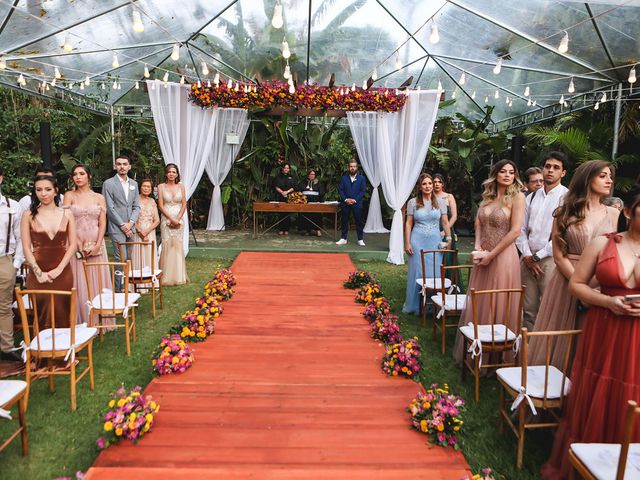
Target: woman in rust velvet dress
(49, 241)
(605, 373)
(581, 217)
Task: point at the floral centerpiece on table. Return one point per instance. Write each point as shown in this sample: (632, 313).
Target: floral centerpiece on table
(386, 329)
(297, 198)
(438, 414)
(377, 308)
(194, 326)
(403, 358)
(173, 355)
(359, 278)
(368, 292)
(130, 415)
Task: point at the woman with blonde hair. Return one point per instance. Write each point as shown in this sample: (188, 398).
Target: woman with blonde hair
(581, 217)
(498, 224)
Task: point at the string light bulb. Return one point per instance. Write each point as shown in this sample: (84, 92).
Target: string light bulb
(463, 78)
(604, 97)
(3, 63)
(114, 62)
(66, 46)
(527, 91)
(572, 87)
(205, 69)
(564, 43)
(237, 88)
(292, 88)
(434, 36)
(56, 73)
(229, 85)
(596, 106)
(175, 52)
(21, 80)
(208, 83)
(216, 79)
(398, 62)
(364, 84)
(561, 102)
(486, 99)
(287, 71)
(286, 53)
(497, 94)
(453, 95)
(529, 102)
(632, 75)
(498, 67)
(182, 80)
(473, 95)
(53, 82)
(138, 26)
(115, 85)
(87, 81)
(374, 74)
(353, 87)
(439, 87)
(277, 21)
(137, 86)
(146, 71)
(165, 77)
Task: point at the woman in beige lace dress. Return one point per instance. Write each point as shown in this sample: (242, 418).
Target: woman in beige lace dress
(146, 226)
(581, 217)
(172, 202)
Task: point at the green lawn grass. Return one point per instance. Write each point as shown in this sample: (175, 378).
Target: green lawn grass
(62, 442)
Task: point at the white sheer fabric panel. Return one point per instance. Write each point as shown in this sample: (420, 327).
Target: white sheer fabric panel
(403, 140)
(185, 133)
(363, 130)
(221, 158)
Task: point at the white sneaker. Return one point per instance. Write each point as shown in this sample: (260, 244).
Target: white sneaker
(342, 241)
(361, 243)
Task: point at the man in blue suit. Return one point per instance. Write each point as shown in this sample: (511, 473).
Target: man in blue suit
(352, 188)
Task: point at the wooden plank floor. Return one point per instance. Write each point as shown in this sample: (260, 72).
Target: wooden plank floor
(290, 386)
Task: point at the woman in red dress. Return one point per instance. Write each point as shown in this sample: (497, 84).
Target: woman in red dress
(605, 373)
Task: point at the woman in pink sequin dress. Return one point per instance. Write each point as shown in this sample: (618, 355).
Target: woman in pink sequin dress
(89, 211)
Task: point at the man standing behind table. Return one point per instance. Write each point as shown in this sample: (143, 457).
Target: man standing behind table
(534, 242)
(123, 207)
(11, 258)
(352, 189)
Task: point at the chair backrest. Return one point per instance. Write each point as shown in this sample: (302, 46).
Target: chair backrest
(550, 338)
(106, 293)
(503, 306)
(36, 299)
(458, 274)
(629, 420)
(431, 260)
(141, 256)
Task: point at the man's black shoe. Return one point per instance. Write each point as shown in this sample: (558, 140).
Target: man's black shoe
(11, 356)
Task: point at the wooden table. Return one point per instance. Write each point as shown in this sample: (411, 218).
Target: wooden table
(282, 207)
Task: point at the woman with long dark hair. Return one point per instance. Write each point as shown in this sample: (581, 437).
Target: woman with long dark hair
(172, 202)
(49, 241)
(498, 224)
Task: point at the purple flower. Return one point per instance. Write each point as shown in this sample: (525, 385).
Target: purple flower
(100, 443)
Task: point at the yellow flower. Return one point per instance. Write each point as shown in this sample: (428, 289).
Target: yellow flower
(456, 428)
(440, 427)
(423, 425)
(108, 426)
(148, 417)
(121, 402)
(132, 417)
(112, 403)
(118, 432)
(426, 405)
(152, 404)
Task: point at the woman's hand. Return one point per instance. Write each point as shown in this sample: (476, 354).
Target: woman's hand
(97, 250)
(408, 249)
(618, 306)
(486, 259)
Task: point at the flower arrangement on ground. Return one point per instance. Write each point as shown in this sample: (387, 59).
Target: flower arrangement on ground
(485, 475)
(221, 285)
(438, 414)
(130, 415)
(297, 198)
(359, 278)
(195, 327)
(208, 305)
(368, 292)
(386, 329)
(403, 358)
(173, 355)
(377, 309)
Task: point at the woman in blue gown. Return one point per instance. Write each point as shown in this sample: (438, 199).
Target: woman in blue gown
(425, 213)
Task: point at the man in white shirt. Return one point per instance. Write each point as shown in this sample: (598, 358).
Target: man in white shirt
(11, 258)
(534, 242)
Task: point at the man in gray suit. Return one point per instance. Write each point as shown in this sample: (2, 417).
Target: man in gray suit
(123, 207)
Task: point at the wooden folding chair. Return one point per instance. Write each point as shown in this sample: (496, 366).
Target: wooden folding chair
(431, 281)
(496, 337)
(55, 350)
(449, 302)
(144, 272)
(536, 387)
(107, 303)
(12, 392)
(594, 461)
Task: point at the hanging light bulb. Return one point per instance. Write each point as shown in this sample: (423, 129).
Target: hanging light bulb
(398, 62)
(137, 86)
(208, 83)
(511, 104)
(3, 63)
(632, 75)
(146, 71)
(103, 86)
(229, 85)
(506, 100)
(498, 67)
(175, 52)
(237, 87)
(216, 79)
(453, 95)
(255, 89)
(47, 88)
(572, 87)
(564, 43)
(604, 97)
(53, 82)
(374, 74)
(292, 88)
(119, 85)
(138, 26)
(81, 85)
(165, 77)
(497, 94)
(115, 85)
(529, 103)
(434, 37)
(21, 80)
(535, 102)
(596, 106)
(277, 21)
(56, 73)
(87, 81)
(527, 91)
(364, 84)
(561, 102)
(205, 69)
(439, 87)
(182, 80)
(286, 53)
(486, 99)
(287, 71)
(114, 62)
(473, 95)
(199, 84)
(66, 46)
(463, 78)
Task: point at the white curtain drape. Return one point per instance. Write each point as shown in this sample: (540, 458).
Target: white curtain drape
(363, 127)
(185, 133)
(402, 142)
(221, 157)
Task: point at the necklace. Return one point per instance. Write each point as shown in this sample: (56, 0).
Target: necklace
(633, 251)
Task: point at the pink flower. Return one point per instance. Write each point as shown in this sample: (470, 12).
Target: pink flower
(101, 443)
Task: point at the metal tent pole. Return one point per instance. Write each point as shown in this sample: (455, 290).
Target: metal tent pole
(113, 139)
(616, 123)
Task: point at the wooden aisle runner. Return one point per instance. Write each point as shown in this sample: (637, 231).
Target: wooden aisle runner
(290, 386)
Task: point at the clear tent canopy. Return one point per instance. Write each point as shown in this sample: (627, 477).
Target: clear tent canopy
(530, 60)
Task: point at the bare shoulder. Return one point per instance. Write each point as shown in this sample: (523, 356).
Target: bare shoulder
(99, 199)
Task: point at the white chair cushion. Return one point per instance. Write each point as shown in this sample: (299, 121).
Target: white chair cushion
(484, 333)
(44, 340)
(9, 389)
(451, 302)
(146, 272)
(602, 459)
(433, 283)
(107, 300)
(512, 376)
(25, 301)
